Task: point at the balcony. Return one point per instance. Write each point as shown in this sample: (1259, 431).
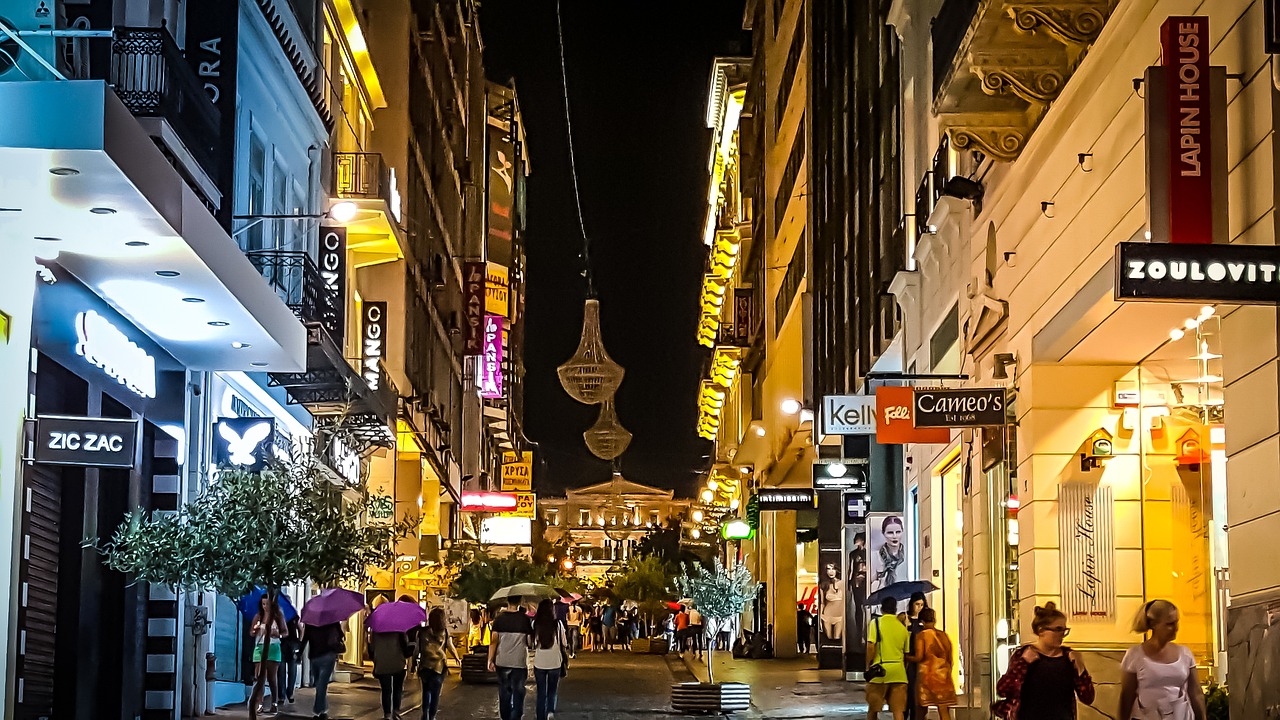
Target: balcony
(297, 280)
(1000, 64)
(365, 179)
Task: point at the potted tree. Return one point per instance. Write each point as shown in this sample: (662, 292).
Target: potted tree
(719, 594)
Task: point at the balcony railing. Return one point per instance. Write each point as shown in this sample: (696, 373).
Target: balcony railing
(361, 175)
(297, 280)
(152, 79)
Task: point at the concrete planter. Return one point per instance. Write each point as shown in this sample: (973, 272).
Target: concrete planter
(710, 698)
(655, 646)
(475, 669)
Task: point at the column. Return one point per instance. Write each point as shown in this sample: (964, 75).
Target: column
(782, 583)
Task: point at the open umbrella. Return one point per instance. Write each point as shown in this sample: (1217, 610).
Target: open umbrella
(570, 599)
(249, 604)
(332, 606)
(899, 591)
(526, 592)
(396, 617)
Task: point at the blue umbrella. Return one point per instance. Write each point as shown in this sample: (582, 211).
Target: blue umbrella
(249, 604)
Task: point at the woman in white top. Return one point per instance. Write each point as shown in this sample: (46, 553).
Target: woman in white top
(1160, 680)
(550, 657)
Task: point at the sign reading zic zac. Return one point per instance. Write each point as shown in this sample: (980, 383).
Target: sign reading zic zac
(526, 503)
(85, 441)
(517, 471)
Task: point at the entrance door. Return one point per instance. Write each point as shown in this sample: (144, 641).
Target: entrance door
(38, 593)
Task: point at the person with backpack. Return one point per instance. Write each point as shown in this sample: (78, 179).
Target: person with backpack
(1044, 677)
(434, 644)
(324, 644)
(389, 651)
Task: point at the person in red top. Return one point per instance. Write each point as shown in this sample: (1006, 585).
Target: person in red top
(1044, 677)
(682, 628)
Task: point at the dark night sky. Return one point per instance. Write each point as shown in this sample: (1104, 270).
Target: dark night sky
(638, 79)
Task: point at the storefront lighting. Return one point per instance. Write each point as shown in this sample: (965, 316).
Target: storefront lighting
(760, 431)
(713, 485)
(344, 211)
(697, 516)
(1191, 324)
(734, 503)
(567, 564)
(1175, 334)
(1205, 355)
(790, 406)
(837, 470)
(695, 533)
(707, 496)
(1012, 503)
(1206, 312)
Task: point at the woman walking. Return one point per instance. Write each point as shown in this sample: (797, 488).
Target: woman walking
(1045, 677)
(1159, 680)
(389, 651)
(550, 658)
(915, 625)
(434, 645)
(267, 628)
(932, 656)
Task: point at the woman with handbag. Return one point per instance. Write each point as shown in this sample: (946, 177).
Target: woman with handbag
(1044, 677)
(434, 643)
(550, 658)
(932, 657)
(1160, 680)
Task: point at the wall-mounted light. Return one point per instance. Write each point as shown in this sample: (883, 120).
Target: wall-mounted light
(790, 406)
(1046, 209)
(1000, 363)
(1085, 161)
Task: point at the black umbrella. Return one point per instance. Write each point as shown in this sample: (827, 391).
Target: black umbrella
(900, 591)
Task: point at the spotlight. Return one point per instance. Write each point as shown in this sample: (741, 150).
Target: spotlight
(343, 211)
(790, 406)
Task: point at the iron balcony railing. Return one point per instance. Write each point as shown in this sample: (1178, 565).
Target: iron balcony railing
(948, 31)
(297, 280)
(361, 175)
(152, 79)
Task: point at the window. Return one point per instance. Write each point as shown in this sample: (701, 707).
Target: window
(788, 75)
(654, 519)
(584, 517)
(254, 237)
(790, 286)
(945, 338)
(789, 174)
(553, 517)
(298, 207)
(280, 204)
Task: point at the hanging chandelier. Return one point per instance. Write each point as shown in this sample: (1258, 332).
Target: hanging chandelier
(591, 376)
(607, 439)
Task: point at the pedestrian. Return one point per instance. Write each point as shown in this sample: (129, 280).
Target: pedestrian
(324, 644)
(609, 622)
(1159, 679)
(478, 633)
(290, 656)
(914, 626)
(1044, 677)
(695, 630)
(888, 643)
(597, 631)
(804, 627)
(389, 651)
(267, 628)
(682, 629)
(434, 644)
(550, 658)
(573, 621)
(932, 655)
(509, 657)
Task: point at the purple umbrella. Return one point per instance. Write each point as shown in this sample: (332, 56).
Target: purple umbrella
(396, 617)
(331, 606)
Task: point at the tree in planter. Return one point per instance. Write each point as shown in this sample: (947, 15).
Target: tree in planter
(719, 594)
(644, 581)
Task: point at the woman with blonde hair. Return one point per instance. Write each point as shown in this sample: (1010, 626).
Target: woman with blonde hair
(1159, 680)
(1044, 677)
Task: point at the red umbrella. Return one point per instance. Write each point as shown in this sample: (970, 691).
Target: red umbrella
(673, 605)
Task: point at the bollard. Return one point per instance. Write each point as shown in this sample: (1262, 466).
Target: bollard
(210, 675)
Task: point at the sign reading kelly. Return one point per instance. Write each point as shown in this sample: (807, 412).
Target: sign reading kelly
(961, 407)
(849, 415)
(1244, 274)
(86, 442)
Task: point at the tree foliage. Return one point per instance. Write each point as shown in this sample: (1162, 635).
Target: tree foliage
(286, 524)
(648, 582)
(718, 593)
(665, 543)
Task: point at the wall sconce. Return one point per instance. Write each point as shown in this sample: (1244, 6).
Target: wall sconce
(1000, 364)
(1046, 209)
(1099, 447)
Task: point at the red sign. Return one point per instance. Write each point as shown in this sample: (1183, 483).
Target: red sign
(896, 419)
(488, 502)
(473, 307)
(1184, 43)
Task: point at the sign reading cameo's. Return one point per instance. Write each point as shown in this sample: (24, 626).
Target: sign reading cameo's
(960, 407)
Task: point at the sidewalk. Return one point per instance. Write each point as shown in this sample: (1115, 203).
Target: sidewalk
(791, 688)
(358, 700)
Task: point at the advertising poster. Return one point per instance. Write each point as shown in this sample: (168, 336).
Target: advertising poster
(856, 614)
(832, 590)
(886, 550)
(501, 187)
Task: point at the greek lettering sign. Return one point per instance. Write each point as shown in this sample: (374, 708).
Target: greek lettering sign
(770, 499)
(497, 290)
(962, 407)
(849, 415)
(491, 362)
(473, 302)
(1087, 537)
(526, 503)
(85, 441)
(517, 471)
(1244, 274)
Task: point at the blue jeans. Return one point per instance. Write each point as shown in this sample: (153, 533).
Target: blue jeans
(548, 685)
(432, 682)
(511, 692)
(322, 668)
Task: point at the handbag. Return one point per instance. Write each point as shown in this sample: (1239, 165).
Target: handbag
(876, 670)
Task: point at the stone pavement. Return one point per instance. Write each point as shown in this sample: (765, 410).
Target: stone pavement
(790, 688)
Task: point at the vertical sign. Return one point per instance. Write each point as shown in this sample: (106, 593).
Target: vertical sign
(373, 343)
(1184, 44)
(473, 302)
(1087, 536)
(833, 581)
(491, 361)
(497, 290)
(502, 175)
(517, 471)
(333, 273)
(742, 316)
(213, 32)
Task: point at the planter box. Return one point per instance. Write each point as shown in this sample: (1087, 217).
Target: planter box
(655, 646)
(475, 669)
(716, 699)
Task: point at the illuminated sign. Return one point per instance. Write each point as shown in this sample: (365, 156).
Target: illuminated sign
(488, 502)
(960, 407)
(373, 343)
(497, 291)
(333, 272)
(244, 442)
(473, 307)
(1244, 274)
(526, 504)
(736, 530)
(844, 474)
(106, 347)
(85, 441)
(895, 419)
(506, 531)
(491, 362)
(849, 415)
(770, 499)
(517, 471)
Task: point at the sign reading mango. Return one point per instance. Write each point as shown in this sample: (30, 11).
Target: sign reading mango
(526, 504)
(517, 471)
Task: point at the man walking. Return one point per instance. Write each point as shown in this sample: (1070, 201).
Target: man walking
(608, 619)
(574, 623)
(509, 657)
(696, 630)
(888, 642)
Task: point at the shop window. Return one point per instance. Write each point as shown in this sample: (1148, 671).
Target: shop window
(944, 339)
(584, 517)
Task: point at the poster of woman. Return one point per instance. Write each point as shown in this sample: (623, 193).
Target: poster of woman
(887, 550)
(856, 595)
(831, 603)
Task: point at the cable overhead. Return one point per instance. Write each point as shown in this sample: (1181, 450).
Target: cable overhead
(573, 165)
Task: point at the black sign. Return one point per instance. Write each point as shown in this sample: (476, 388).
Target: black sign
(213, 32)
(373, 343)
(333, 275)
(848, 474)
(1244, 274)
(770, 499)
(86, 441)
(1270, 27)
(964, 407)
(856, 506)
(244, 443)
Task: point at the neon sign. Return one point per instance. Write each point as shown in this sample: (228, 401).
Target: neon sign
(491, 361)
(104, 346)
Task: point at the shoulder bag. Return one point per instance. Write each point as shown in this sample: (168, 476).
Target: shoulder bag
(875, 670)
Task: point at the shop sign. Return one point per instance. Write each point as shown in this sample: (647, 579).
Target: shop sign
(1243, 274)
(243, 442)
(770, 499)
(526, 506)
(491, 362)
(841, 474)
(85, 441)
(343, 459)
(855, 508)
(506, 531)
(499, 502)
(333, 274)
(960, 407)
(517, 471)
(497, 290)
(743, 317)
(1087, 536)
(373, 343)
(502, 193)
(104, 346)
(895, 419)
(849, 415)
(473, 306)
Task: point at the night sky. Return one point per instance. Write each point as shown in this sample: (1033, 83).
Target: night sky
(639, 74)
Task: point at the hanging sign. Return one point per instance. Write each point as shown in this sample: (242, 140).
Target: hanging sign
(895, 419)
(105, 346)
(497, 290)
(85, 441)
(333, 274)
(960, 407)
(243, 442)
(373, 343)
(849, 415)
(1087, 536)
(850, 474)
(769, 499)
(1244, 274)
(517, 471)
(488, 502)
(473, 301)
(526, 504)
(491, 361)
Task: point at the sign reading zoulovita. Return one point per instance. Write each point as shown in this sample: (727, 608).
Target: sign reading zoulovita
(1244, 274)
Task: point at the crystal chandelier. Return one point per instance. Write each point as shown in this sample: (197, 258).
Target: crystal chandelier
(607, 439)
(591, 376)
